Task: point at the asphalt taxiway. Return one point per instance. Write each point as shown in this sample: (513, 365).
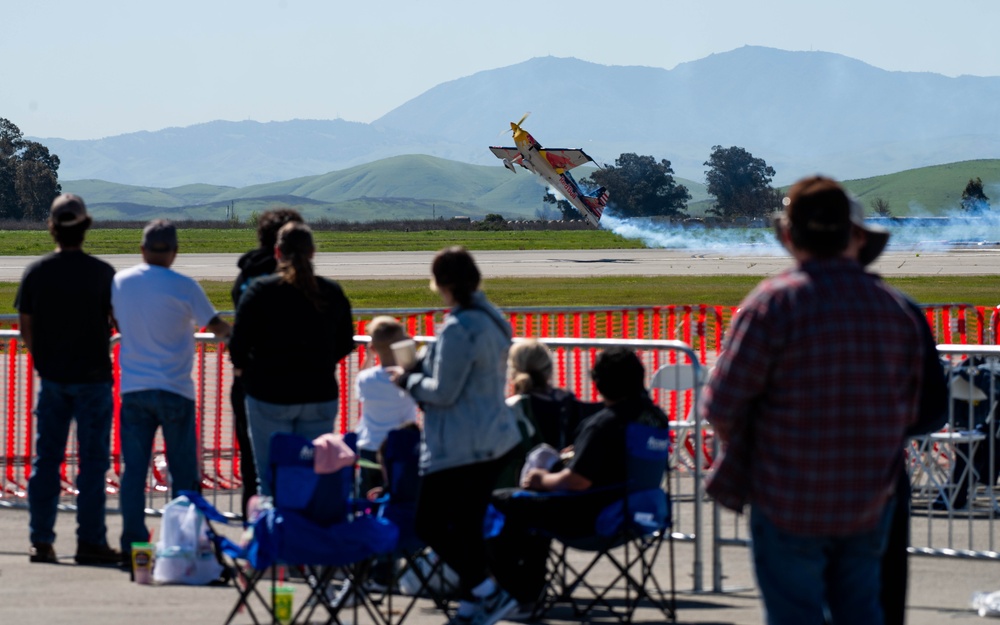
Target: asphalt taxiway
(564, 263)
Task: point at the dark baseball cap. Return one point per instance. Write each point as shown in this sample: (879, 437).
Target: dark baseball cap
(819, 206)
(159, 235)
(68, 210)
(876, 237)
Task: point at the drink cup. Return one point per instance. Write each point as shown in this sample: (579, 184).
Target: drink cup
(142, 563)
(283, 604)
(405, 352)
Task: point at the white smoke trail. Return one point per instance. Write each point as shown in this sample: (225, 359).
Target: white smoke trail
(919, 233)
(661, 234)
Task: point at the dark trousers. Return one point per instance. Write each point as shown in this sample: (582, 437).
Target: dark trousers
(451, 506)
(894, 561)
(519, 552)
(248, 468)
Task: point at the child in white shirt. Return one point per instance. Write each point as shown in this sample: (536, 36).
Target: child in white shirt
(384, 405)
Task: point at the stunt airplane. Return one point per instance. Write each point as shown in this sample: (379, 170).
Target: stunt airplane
(553, 165)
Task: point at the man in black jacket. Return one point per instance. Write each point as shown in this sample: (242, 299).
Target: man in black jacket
(253, 265)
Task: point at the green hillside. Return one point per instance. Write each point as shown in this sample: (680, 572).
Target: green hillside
(929, 190)
(426, 186)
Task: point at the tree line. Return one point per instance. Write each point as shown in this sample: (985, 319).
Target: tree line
(639, 186)
(29, 178)
(739, 182)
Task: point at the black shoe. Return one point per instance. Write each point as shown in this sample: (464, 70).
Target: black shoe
(495, 607)
(943, 504)
(97, 555)
(42, 552)
(525, 612)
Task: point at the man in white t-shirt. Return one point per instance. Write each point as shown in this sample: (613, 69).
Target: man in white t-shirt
(157, 311)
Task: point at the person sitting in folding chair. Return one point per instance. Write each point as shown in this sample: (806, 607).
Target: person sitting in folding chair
(597, 472)
(555, 412)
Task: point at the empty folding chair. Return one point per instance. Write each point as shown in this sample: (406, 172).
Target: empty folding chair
(313, 526)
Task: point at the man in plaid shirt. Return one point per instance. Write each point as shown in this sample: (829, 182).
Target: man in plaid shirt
(817, 383)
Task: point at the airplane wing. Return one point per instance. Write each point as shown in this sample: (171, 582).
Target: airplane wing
(505, 153)
(563, 159)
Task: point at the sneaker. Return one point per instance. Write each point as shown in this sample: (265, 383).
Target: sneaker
(495, 607)
(375, 587)
(343, 597)
(97, 555)
(42, 552)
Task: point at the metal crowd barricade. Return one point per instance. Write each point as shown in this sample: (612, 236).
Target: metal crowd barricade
(959, 323)
(573, 357)
(940, 466)
(575, 334)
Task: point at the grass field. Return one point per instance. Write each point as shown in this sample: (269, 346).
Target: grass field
(612, 291)
(208, 240)
(510, 292)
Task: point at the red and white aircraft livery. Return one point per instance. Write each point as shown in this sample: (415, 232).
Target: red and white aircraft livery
(553, 165)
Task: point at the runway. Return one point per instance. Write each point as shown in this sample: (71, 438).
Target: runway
(562, 263)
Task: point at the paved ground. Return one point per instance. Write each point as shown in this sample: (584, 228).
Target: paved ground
(564, 263)
(940, 589)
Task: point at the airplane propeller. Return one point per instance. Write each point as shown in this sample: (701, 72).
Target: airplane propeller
(514, 125)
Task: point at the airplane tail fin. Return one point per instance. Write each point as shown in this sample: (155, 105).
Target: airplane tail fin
(596, 203)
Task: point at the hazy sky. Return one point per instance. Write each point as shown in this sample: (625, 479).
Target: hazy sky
(88, 69)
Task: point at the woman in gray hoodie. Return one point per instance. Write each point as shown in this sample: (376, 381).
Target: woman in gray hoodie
(469, 432)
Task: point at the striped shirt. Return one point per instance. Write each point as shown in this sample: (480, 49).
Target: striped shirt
(817, 381)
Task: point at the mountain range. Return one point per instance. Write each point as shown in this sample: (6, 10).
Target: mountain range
(802, 112)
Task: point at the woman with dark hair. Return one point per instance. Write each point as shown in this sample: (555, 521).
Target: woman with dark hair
(253, 265)
(291, 330)
(469, 432)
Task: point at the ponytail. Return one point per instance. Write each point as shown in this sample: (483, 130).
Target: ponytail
(295, 266)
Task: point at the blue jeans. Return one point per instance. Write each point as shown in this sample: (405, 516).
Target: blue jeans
(804, 579)
(307, 420)
(143, 412)
(58, 405)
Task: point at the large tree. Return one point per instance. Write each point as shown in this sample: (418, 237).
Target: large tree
(567, 211)
(638, 186)
(740, 183)
(974, 198)
(29, 179)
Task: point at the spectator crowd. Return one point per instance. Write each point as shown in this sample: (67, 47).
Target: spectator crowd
(794, 376)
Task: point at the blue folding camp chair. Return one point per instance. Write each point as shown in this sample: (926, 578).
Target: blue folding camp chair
(628, 535)
(400, 460)
(314, 526)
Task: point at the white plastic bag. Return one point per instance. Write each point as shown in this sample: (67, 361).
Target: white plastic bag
(544, 456)
(184, 553)
(987, 603)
